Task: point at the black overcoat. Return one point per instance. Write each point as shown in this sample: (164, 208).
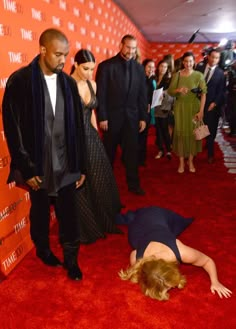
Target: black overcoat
(23, 121)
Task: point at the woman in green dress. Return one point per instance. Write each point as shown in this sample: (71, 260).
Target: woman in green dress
(188, 107)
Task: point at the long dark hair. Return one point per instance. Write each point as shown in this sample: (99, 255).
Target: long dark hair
(146, 61)
(169, 58)
(166, 78)
(83, 56)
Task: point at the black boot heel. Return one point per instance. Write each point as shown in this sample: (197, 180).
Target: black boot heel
(74, 272)
(70, 251)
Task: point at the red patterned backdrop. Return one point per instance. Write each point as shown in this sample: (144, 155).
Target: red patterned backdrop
(157, 50)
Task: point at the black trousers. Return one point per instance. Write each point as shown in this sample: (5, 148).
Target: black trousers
(211, 118)
(66, 211)
(162, 134)
(142, 143)
(127, 137)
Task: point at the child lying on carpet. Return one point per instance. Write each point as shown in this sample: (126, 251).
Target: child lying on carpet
(152, 233)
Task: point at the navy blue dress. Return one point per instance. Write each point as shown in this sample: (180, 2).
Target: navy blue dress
(155, 224)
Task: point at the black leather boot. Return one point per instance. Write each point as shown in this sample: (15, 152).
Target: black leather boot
(48, 257)
(70, 251)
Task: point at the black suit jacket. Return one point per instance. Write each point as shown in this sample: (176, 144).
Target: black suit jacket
(114, 103)
(215, 87)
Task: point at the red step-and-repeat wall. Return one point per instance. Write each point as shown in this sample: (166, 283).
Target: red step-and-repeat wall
(97, 25)
(158, 50)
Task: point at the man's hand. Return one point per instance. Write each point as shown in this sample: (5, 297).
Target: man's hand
(103, 125)
(34, 183)
(211, 106)
(80, 182)
(142, 126)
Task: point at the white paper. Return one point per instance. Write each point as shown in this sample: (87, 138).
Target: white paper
(157, 97)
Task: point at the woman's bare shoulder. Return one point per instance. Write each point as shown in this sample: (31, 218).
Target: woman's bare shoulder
(132, 257)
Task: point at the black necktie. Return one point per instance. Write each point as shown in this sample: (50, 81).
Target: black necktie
(127, 75)
(208, 75)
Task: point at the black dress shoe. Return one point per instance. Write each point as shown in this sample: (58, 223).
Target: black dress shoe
(137, 191)
(74, 272)
(48, 258)
(210, 160)
(142, 164)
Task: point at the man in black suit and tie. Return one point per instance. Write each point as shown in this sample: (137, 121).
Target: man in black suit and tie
(122, 109)
(215, 80)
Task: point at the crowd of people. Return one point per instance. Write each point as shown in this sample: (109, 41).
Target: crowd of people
(53, 136)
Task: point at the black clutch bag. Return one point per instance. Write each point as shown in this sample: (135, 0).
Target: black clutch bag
(197, 91)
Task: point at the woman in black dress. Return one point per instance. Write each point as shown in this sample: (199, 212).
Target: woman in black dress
(98, 200)
(152, 233)
(149, 68)
(163, 111)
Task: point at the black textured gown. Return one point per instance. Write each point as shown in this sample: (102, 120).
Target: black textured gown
(98, 198)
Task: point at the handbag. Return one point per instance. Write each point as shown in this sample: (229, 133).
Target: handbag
(201, 130)
(197, 91)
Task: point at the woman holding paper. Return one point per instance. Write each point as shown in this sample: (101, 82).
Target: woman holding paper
(187, 108)
(162, 110)
(149, 68)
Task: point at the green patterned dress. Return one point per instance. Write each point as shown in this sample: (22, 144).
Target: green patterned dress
(185, 108)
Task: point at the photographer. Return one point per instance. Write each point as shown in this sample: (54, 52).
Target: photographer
(227, 56)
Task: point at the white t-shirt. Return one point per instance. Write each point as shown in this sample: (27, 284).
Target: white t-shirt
(51, 81)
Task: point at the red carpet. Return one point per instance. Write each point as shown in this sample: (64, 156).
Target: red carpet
(35, 296)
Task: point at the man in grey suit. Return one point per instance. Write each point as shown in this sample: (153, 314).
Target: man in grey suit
(215, 96)
(122, 107)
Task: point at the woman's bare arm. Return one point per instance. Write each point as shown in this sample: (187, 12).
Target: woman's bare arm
(197, 258)
(199, 115)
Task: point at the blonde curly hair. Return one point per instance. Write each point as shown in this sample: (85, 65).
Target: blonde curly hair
(155, 276)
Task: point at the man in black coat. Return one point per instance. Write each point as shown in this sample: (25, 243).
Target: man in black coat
(43, 124)
(122, 107)
(215, 96)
